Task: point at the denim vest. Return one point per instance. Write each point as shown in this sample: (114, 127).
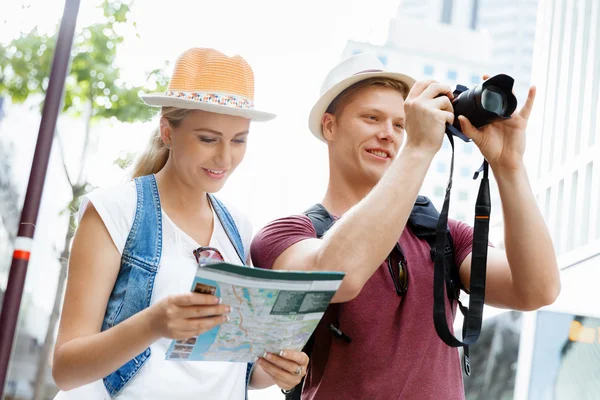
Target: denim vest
(139, 264)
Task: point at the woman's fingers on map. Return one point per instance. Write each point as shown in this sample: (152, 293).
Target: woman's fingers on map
(282, 378)
(191, 299)
(298, 357)
(290, 365)
(203, 311)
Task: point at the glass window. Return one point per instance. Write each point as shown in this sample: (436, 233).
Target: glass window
(452, 75)
(465, 171)
(428, 70)
(439, 191)
(565, 357)
(463, 196)
(383, 59)
(441, 167)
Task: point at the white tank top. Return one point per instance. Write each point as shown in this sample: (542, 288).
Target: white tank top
(160, 378)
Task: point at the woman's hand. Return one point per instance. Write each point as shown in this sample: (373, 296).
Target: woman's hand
(187, 315)
(286, 369)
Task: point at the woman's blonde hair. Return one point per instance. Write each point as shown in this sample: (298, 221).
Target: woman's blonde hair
(156, 154)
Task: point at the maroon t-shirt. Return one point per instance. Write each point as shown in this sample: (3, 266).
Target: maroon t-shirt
(395, 351)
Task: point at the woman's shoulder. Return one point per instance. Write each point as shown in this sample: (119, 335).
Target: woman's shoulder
(114, 197)
(116, 205)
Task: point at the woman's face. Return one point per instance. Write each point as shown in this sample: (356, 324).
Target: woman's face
(207, 147)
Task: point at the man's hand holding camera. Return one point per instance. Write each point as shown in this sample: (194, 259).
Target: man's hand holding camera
(502, 143)
(428, 107)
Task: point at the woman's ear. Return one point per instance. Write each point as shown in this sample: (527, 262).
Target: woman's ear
(165, 132)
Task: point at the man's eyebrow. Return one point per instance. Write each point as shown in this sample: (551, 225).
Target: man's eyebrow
(219, 133)
(375, 110)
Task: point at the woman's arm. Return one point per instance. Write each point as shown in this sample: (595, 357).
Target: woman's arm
(82, 353)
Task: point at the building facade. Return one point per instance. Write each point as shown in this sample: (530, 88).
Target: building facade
(565, 166)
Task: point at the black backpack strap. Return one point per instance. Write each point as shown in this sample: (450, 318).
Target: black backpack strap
(423, 223)
(320, 218)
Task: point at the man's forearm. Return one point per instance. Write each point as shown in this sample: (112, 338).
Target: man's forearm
(363, 238)
(529, 248)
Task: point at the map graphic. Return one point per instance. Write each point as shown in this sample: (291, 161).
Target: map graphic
(261, 319)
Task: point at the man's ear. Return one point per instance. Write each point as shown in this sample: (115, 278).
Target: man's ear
(165, 131)
(328, 126)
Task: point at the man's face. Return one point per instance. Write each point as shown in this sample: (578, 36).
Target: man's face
(365, 134)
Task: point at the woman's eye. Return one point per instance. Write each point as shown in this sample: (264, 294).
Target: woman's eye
(399, 127)
(239, 141)
(207, 140)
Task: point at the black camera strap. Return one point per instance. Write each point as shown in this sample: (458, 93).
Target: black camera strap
(473, 314)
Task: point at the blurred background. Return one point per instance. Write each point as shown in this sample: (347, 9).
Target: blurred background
(122, 48)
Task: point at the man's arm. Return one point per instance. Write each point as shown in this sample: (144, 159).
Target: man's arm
(360, 241)
(527, 276)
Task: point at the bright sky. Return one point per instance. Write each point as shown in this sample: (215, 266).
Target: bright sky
(290, 45)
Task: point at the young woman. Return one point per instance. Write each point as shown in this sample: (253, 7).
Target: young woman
(134, 254)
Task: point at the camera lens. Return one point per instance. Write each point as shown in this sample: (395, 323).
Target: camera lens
(493, 100)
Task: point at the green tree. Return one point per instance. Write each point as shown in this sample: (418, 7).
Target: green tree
(93, 91)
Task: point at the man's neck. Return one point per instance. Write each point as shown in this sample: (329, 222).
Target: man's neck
(344, 193)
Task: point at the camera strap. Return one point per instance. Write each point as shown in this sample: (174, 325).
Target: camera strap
(473, 315)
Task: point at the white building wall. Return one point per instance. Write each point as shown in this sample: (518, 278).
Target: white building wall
(564, 138)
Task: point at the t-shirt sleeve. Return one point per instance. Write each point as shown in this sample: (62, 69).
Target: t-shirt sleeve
(116, 207)
(462, 238)
(279, 235)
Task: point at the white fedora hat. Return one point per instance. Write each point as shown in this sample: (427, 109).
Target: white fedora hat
(348, 72)
(206, 79)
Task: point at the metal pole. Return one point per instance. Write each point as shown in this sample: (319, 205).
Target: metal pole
(23, 243)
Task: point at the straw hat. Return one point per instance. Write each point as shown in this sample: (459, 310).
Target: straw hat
(205, 79)
(348, 72)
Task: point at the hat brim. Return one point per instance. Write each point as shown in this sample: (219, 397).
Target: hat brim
(162, 100)
(318, 110)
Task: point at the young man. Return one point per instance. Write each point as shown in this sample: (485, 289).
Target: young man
(365, 115)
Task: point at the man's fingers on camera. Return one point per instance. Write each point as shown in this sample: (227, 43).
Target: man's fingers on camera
(418, 88)
(448, 116)
(443, 103)
(436, 89)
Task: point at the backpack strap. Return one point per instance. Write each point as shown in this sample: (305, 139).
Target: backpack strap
(320, 218)
(235, 238)
(229, 226)
(422, 222)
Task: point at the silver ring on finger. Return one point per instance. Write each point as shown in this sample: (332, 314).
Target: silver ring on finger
(298, 370)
